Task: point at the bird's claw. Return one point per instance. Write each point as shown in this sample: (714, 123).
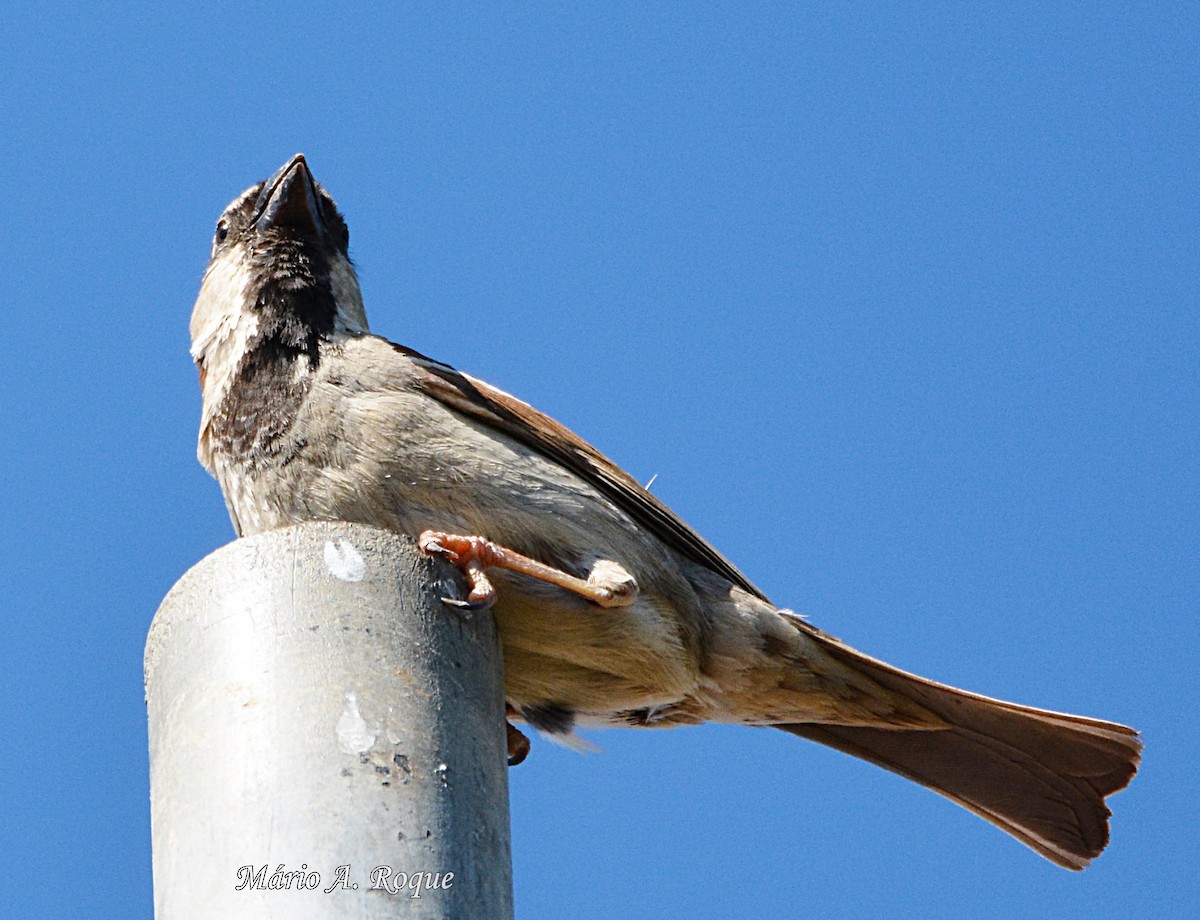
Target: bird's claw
(470, 605)
(430, 545)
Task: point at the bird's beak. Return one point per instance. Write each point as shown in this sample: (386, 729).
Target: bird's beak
(289, 200)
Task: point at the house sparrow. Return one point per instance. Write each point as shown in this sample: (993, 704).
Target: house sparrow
(610, 609)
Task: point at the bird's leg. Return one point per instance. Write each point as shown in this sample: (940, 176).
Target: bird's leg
(473, 554)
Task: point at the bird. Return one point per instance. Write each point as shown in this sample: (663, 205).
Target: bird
(611, 611)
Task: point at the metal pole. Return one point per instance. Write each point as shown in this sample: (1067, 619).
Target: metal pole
(326, 737)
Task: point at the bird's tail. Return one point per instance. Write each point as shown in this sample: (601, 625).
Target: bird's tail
(1040, 776)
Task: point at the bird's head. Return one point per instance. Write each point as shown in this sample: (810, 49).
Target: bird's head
(279, 276)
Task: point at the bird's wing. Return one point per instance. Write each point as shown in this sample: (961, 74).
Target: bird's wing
(525, 424)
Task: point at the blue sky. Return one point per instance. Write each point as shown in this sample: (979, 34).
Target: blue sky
(899, 306)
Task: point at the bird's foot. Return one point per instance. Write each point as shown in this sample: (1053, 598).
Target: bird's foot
(518, 744)
(480, 594)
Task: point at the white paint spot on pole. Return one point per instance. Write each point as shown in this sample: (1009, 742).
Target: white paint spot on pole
(354, 735)
(343, 560)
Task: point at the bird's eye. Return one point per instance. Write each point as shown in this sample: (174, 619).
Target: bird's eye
(222, 231)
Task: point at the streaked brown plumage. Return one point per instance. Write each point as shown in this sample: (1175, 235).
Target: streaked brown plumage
(308, 416)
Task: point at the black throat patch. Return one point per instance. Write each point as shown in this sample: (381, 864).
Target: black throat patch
(296, 312)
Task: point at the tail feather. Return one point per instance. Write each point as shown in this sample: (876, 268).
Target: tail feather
(1038, 775)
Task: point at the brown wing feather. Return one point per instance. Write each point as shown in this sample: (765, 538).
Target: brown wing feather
(523, 423)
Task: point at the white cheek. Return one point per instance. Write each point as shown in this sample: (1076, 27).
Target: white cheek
(218, 304)
(222, 326)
